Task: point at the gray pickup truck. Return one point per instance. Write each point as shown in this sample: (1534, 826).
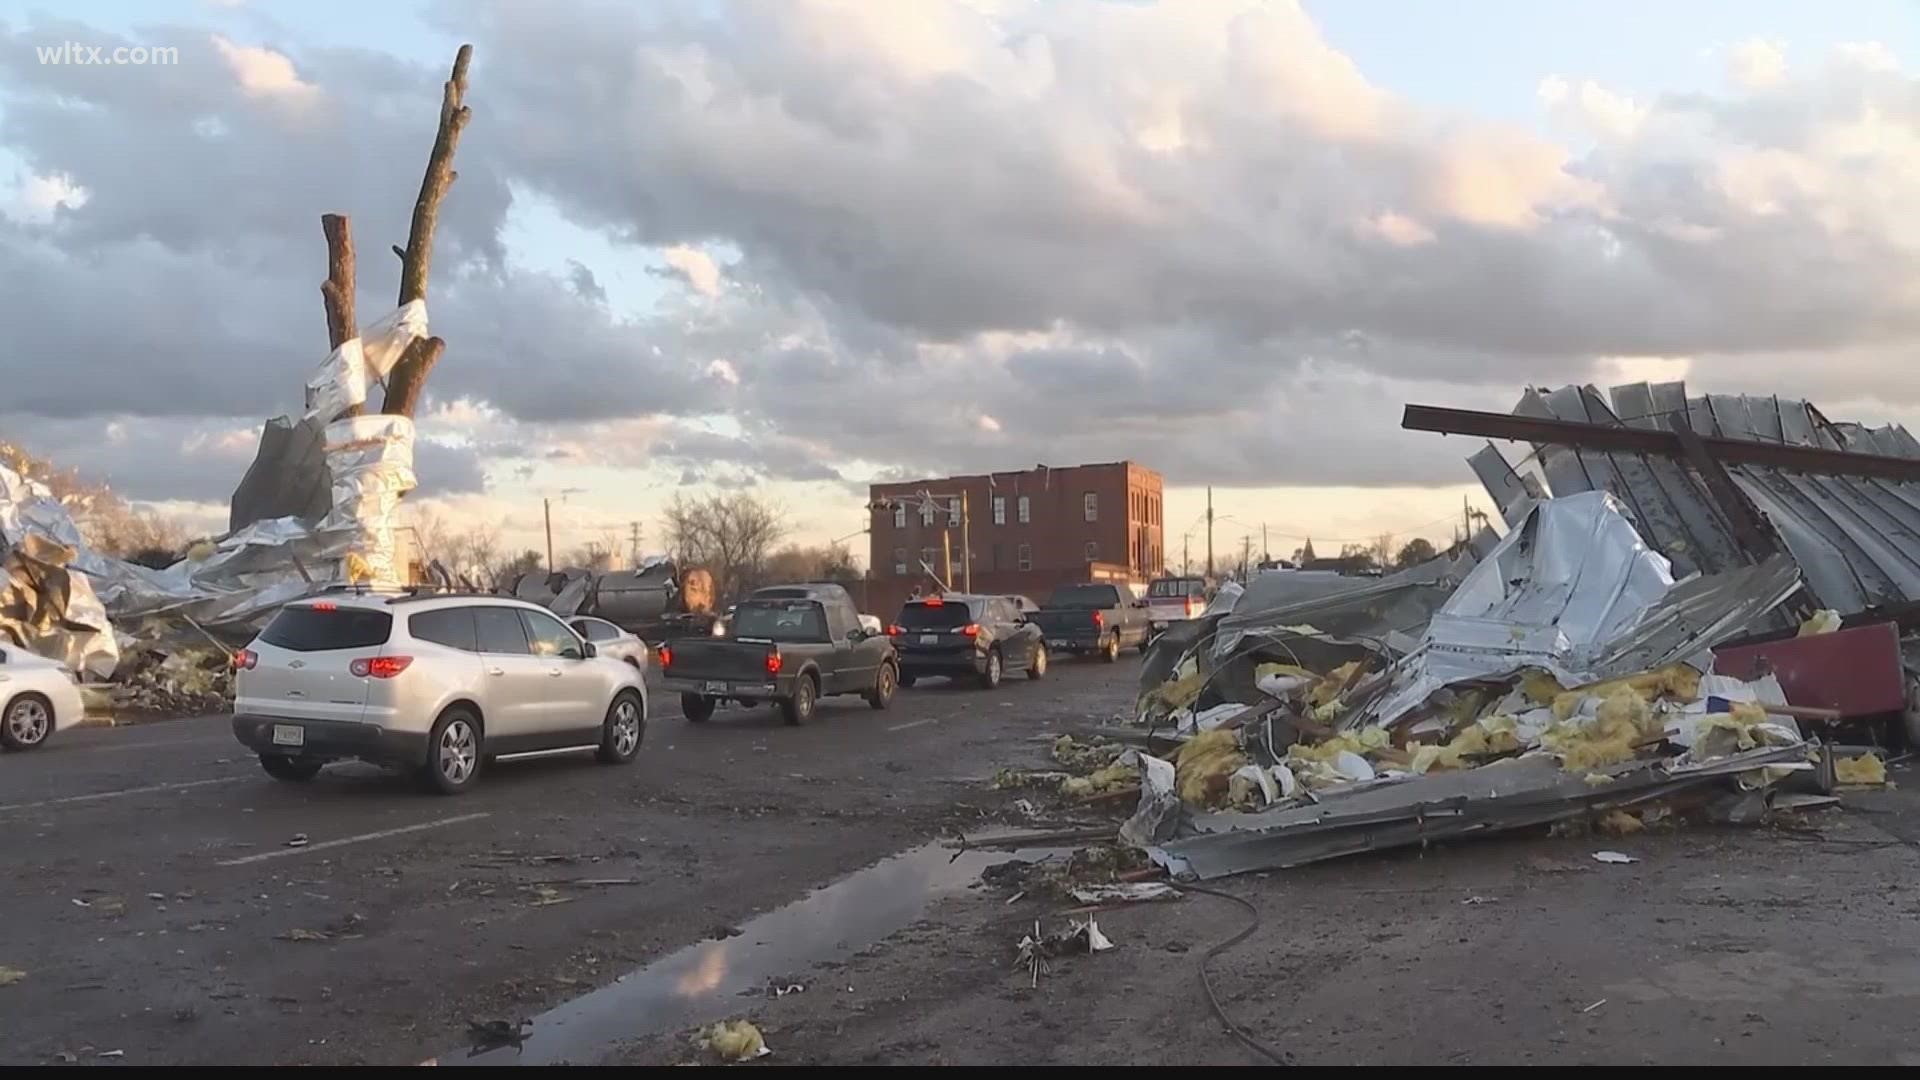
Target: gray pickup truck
(1092, 618)
(791, 645)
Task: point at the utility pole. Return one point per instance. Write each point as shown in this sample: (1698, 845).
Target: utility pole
(1186, 553)
(546, 510)
(1266, 553)
(634, 532)
(946, 556)
(1246, 553)
(966, 545)
(1209, 530)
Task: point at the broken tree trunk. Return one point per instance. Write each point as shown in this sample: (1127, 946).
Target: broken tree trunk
(336, 293)
(410, 373)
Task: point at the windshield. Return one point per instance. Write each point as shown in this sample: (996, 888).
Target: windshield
(1176, 587)
(947, 615)
(1084, 596)
(780, 620)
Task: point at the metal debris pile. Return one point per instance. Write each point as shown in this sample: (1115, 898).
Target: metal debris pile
(1565, 678)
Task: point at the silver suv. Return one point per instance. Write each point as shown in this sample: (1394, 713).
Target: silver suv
(435, 684)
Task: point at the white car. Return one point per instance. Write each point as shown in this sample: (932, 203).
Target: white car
(612, 641)
(41, 698)
(440, 685)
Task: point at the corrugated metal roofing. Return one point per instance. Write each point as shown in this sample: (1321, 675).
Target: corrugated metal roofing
(1856, 539)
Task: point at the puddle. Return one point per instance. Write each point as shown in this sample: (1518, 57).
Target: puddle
(702, 983)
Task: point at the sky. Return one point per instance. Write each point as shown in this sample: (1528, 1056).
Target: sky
(799, 245)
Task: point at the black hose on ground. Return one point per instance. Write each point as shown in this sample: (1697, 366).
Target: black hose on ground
(1246, 1037)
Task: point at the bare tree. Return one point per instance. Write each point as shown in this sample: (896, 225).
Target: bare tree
(1382, 550)
(730, 535)
(794, 562)
(1414, 552)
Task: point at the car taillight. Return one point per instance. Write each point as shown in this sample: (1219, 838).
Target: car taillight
(896, 630)
(326, 605)
(773, 661)
(1099, 619)
(380, 667)
(972, 629)
(666, 656)
(1193, 607)
(246, 660)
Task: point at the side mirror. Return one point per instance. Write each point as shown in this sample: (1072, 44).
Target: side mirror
(856, 634)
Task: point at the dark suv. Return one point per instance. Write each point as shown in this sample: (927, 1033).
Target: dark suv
(957, 635)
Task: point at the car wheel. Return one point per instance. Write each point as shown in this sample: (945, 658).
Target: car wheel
(1037, 669)
(990, 678)
(281, 767)
(620, 734)
(798, 709)
(1110, 651)
(453, 753)
(27, 722)
(695, 708)
(883, 683)
(907, 681)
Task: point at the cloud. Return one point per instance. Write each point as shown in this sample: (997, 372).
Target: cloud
(263, 72)
(693, 266)
(964, 236)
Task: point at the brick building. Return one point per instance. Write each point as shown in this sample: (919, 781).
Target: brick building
(1028, 531)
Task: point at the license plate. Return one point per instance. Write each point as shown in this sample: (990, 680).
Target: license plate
(289, 735)
(929, 639)
(1058, 643)
(716, 688)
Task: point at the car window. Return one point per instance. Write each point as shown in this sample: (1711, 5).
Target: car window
(595, 629)
(498, 630)
(313, 627)
(452, 627)
(935, 615)
(1084, 596)
(549, 636)
(780, 620)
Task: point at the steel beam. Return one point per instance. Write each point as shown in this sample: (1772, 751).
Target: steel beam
(1529, 429)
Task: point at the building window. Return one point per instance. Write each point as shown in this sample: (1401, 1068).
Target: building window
(999, 509)
(926, 558)
(953, 514)
(900, 516)
(1092, 500)
(900, 562)
(1093, 551)
(926, 514)
(1026, 550)
(1026, 510)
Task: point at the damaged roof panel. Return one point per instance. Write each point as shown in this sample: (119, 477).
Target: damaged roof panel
(1855, 536)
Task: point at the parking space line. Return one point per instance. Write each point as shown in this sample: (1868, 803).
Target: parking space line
(99, 795)
(323, 845)
(913, 724)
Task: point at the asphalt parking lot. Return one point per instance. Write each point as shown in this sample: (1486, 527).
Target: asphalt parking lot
(169, 903)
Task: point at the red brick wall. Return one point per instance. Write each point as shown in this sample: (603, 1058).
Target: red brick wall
(1127, 532)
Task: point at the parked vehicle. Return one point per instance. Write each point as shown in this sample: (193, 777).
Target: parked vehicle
(435, 683)
(1093, 618)
(610, 640)
(789, 644)
(1175, 599)
(41, 697)
(962, 636)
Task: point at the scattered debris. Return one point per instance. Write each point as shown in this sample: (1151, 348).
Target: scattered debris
(10, 975)
(1866, 770)
(735, 1040)
(302, 934)
(1614, 857)
(297, 840)
(1126, 893)
(494, 1034)
(1078, 937)
(1594, 1006)
(1477, 900)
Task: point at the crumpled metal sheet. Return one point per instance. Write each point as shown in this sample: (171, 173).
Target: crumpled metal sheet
(52, 611)
(1574, 591)
(1388, 611)
(1516, 794)
(371, 458)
